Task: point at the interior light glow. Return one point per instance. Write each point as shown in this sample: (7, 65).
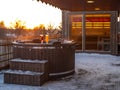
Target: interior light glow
(97, 8)
(118, 19)
(90, 1)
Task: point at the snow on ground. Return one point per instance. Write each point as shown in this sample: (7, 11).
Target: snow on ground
(93, 72)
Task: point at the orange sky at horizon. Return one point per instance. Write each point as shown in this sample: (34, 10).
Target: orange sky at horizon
(31, 12)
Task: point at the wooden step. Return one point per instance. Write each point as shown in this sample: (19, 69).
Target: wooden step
(29, 65)
(25, 77)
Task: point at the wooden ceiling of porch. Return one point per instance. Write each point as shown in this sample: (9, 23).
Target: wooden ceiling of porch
(83, 5)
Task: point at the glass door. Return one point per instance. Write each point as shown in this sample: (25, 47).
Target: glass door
(76, 30)
(91, 31)
(97, 32)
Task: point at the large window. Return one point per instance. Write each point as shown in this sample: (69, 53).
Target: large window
(76, 30)
(97, 32)
(96, 28)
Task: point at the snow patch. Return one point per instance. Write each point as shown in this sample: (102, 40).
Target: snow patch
(92, 72)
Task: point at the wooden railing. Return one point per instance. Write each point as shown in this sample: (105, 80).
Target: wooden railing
(6, 53)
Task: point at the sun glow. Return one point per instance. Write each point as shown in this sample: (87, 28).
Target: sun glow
(31, 12)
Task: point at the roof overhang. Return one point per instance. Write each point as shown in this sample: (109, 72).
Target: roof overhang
(85, 5)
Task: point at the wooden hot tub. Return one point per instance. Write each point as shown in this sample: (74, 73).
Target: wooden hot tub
(61, 57)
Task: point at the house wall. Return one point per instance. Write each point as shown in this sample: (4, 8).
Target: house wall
(114, 27)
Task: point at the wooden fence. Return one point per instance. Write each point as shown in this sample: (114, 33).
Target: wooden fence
(6, 53)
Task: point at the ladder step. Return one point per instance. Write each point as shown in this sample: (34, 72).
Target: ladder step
(29, 65)
(25, 77)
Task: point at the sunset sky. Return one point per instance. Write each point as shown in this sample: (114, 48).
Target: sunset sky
(29, 11)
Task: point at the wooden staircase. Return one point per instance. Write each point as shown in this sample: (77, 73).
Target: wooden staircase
(27, 72)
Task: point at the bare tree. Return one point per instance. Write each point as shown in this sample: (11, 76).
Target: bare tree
(40, 29)
(18, 26)
(2, 29)
(2, 24)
